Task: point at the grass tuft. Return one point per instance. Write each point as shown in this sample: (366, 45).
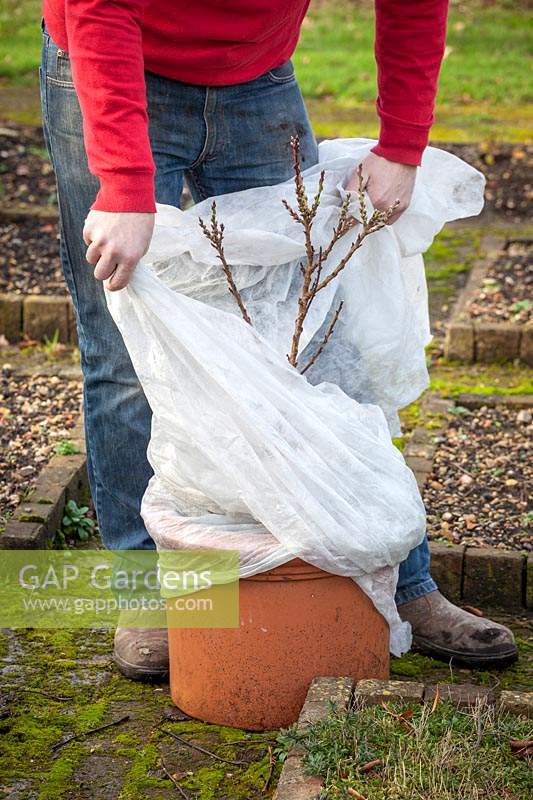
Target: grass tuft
(445, 754)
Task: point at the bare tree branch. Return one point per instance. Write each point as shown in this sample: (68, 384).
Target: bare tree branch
(311, 270)
(325, 339)
(312, 267)
(216, 237)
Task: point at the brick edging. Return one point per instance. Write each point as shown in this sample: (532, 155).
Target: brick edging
(485, 576)
(36, 520)
(463, 695)
(485, 342)
(37, 316)
(20, 212)
(34, 315)
(295, 784)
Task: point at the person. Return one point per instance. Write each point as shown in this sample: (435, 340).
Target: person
(138, 95)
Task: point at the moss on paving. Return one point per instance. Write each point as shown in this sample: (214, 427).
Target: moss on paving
(201, 775)
(61, 773)
(452, 253)
(60, 683)
(139, 778)
(451, 380)
(519, 676)
(67, 695)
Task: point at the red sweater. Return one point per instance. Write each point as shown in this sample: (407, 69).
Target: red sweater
(221, 42)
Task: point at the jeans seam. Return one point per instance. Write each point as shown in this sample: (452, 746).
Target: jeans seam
(287, 79)
(65, 252)
(57, 82)
(191, 176)
(208, 137)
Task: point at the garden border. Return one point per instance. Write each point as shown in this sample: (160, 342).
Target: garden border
(35, 316)
(481, 576)
(484, 576)
(470, 341)
(36, 520)
(295, 784)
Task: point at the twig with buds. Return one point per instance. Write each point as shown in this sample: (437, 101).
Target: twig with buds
(311, 268)
(312, 282)
(215, 234)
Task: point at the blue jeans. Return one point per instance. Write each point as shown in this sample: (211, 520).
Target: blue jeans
(220, 140)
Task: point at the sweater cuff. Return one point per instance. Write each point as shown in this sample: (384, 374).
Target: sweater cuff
(401, 141)
(132, 192)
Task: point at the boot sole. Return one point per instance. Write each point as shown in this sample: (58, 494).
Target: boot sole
(475, 660)
(136, 673)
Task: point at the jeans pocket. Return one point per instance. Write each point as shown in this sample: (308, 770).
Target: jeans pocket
(63, 70)
(58, 66)
(282, 74)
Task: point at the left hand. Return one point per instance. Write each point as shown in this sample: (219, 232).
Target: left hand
(385, 182)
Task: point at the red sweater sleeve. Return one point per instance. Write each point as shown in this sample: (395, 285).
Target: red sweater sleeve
(409, 47)
(106, 54)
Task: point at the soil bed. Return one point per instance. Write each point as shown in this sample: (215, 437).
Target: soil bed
(36, 413)
(477, 493)
(27, 175)
(29, 252)
(505, 295)
(29, 258)
(508, 169)
(26, 172)
(28, 178)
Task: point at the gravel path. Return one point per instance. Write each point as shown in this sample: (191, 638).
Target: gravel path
(507, 291)
(35, 414)
(478, 491)
(29, 258)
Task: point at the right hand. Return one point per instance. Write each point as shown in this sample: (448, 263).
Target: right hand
(116, 243)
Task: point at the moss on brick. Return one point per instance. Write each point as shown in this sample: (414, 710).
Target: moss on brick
(451, 381)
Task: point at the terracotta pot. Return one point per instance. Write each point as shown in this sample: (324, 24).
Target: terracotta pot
(297, 622)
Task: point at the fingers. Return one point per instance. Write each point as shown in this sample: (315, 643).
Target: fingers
(365, 176)
(383, 201)
(352, 185)
(94, 253)
(106, 264)
(115, 244)
(87, 237)
(105, 267)
(389, 185)
(385, 204)
(117, 274)
(120, 277)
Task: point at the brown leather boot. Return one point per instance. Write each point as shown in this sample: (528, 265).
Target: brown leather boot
(142, 653)
(445, 631)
